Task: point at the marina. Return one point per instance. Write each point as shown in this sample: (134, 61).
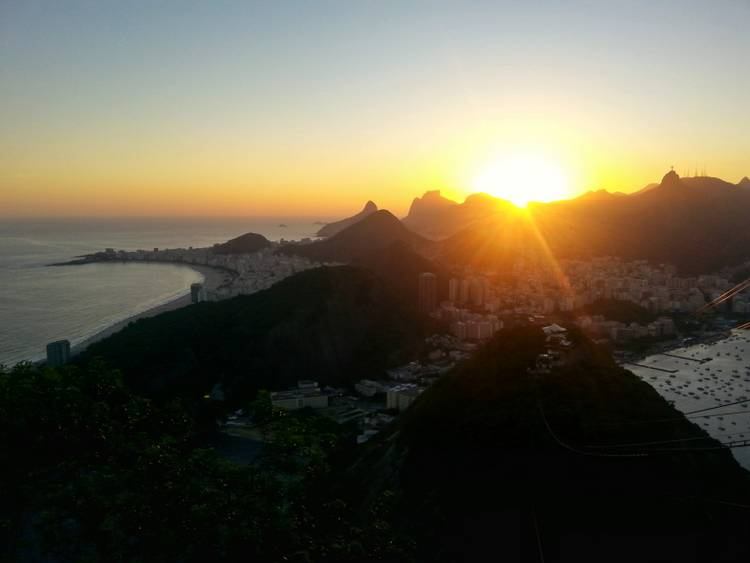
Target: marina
(710, 384)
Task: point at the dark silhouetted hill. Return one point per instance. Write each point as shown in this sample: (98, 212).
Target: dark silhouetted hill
(333, 325)
(598, 195)
(244, 244)
(493, 460)
(698, 224)
(382, 244)
(399, 266)
(426, 213)
(436, 217)
(375, 232)
(646, 188)
(333, 228)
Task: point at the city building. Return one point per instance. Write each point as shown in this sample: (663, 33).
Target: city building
(368, 388)
(427, 299)
(402, 396)
(454, 288)
(58, 353)
(306, 394)
(197, 293)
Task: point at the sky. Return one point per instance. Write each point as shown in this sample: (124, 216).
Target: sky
(285, 108)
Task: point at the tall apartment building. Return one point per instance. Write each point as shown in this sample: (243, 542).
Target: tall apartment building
(427, 298)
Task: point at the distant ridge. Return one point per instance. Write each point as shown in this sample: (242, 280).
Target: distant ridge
(744, 183)
(333, 228)
(698, 224)
(598, 194)
(646, 189)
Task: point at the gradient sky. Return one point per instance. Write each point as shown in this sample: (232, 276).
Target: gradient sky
(286, 108)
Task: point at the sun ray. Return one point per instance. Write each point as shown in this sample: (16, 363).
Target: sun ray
(522, 178)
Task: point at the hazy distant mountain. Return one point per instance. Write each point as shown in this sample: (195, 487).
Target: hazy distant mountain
(699, 224)
(598, 195)
(376, 231)
(646, 189)
(428, 211)
(744, 183)
(437, 217)
(332, 228)
(243, 244)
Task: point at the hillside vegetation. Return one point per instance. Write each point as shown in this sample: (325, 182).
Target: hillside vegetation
(333, 325)
(491, 454)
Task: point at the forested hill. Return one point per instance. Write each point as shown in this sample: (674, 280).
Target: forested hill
(333, 325)
(494, 460)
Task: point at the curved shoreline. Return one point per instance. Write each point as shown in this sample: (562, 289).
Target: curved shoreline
(213, 278)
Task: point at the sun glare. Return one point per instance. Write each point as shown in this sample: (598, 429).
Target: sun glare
(522, 178)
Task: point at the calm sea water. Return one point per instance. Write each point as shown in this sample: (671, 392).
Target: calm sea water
(39, 304)
(704, 376)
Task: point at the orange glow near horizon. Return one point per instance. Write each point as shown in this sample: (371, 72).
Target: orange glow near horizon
(144, 110)
(522, 178)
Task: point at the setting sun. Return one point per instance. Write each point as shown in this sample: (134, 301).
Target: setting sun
(522, 178)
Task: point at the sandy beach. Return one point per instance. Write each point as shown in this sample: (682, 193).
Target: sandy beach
(212, 278)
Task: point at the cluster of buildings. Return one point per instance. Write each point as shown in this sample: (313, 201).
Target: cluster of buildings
(375, 403)
(307, 394)
(477, 304)
(571, 284)
(466, 324)
(599, 327)
(473, 290)
(245, 273)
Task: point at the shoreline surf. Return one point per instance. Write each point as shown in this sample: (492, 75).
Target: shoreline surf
(212, 279)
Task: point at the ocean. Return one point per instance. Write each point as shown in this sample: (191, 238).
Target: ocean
(40, 304)
(702, 377)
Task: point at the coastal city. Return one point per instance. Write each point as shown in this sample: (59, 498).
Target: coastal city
(475, 303)
(478, 306)
(376, 282)
(242, 273)
(635, 308)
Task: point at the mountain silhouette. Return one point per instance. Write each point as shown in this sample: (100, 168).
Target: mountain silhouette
(333, 228)
(375, 232)
(646, 189)
(382, 244)
(436, 217)
(697, 224)
(243, 244)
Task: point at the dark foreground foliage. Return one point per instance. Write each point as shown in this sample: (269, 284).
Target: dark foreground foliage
(94, 473)
(494, 461)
